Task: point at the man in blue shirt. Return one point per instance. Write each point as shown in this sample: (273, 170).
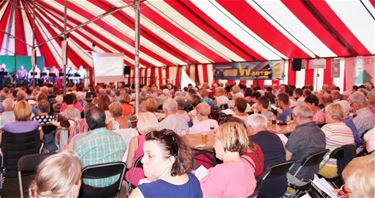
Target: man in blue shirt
(285, 111)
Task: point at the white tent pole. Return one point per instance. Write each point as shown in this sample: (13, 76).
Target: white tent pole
(62, 48)
(136, 56)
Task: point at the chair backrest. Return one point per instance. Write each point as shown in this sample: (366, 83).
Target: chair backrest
(16, 145)
(100, 171)
(343, 156)
(29, 163)
(48, 128)
(314, 158)
(273, 171)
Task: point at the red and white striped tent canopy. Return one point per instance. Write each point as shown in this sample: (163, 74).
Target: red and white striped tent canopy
(181, 32)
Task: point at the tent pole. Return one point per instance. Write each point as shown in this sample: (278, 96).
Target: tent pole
(136, 57)
(62, 48)
(15, 44)
(33, 53)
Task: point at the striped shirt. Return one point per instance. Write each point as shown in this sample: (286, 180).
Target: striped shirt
(337, 134)
(97, 147)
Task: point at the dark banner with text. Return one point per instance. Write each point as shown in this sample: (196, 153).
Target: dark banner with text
(259, 70)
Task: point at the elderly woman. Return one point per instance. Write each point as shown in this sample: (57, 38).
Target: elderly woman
(59, 175)
(223, 179)
(337, 134)
(23, 123)
(70, 112)
(147, 122)
(204, 124)
(8, 114)
(167, 163)
(127, 109)
(119, 120)
(220, 97)
(43, 109)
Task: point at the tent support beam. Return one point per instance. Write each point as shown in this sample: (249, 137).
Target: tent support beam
(66, 32)
(136, 55)
(64, 58)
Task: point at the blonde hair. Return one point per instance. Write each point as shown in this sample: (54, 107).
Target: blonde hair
(203, 109)
(361, 182)
(233, 136)
(335, 111)
(147, 122)
(56, 175)
(22, 111)
(116, 109)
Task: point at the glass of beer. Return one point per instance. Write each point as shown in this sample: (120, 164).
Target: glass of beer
(204, 138)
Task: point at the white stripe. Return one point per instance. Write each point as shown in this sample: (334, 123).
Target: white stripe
(192, 30)
(340, 80)
(200, 74)
(166, 36)
(8, 50)
(369, 7)
(164, 75)
(192, 72)
(296, 28)
(285, 72)
(221, 16)
(355, 16)
(278, 27)
(249, 83)
(267, 82)
(210, 74)
(300, 78)
(172, 75)
(318, 79)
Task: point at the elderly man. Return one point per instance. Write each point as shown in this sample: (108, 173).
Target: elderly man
(99, 146)
(204, 123)
(364, 119)
(8, 114)
(172, 121)
(307, 138)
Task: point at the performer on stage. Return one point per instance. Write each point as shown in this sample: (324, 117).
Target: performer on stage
(3, 69)
(36, 71)
(55, 71)
(83, 74)
(21, 73)
(44, 76)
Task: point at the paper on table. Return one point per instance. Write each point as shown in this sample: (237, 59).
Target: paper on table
(323, 185)
(201, 172)
(306, 196)
(228, 112)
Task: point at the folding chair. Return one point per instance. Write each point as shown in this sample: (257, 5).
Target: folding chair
(343, 156)
(275, 171)
(313, 159)
(101, 171)
(49, 131)
(138, 164)
(29, 164)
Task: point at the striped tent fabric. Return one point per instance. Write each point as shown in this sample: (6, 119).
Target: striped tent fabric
(193, 35)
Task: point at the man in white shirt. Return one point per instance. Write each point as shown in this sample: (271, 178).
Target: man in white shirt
(172, 121)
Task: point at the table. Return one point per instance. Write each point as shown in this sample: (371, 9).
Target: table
(281, 129)
(202, 151)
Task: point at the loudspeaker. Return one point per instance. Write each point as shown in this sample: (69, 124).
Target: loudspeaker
(126, 70)
(296, 64)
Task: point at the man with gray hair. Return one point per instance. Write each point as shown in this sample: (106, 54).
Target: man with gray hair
(172, 121)
(364, 119)
(307, 138)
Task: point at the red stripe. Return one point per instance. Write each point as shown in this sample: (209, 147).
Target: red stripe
(205, 73)
(167, 75)
(188, 71)
(340, 28)
(152, 76)
(197, 80)
(146, 76)
(20, 48)
(242, 82)
(254, 21)
(178, 77)
(4, 22)
(327, 72)
(205, 23)
(180, 34)
(291, 74)
(276, 82)
(373, 3)
(160, 77)
(309, 20)
(309, 74)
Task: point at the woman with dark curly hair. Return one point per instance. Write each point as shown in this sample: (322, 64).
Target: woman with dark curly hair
(167, 160)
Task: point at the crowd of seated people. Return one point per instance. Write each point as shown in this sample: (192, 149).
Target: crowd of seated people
(244, 142)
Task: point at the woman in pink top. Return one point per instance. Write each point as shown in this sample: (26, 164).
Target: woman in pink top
(147, 122)
(235, 176)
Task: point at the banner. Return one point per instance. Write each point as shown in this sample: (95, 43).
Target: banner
(259, 70)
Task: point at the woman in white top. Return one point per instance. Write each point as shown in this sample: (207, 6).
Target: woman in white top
(204, 124)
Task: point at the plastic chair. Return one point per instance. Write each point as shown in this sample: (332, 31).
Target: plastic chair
(100, 171)
(29, 164)
(274, 171)
(343, 156)
(313, 159)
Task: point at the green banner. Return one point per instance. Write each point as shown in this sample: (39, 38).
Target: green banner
(21, 60)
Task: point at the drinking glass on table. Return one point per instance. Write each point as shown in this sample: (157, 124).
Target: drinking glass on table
(212, 127)
(204, 138)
